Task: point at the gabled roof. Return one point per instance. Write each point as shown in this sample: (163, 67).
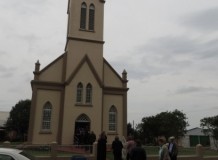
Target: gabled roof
(113, 70)
(88, 61)
(84, 60)
(195, 131)
(53, 62)
(196, 128)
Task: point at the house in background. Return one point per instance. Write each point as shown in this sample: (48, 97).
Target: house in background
(196, 136)
(3, 118)
(79, 91)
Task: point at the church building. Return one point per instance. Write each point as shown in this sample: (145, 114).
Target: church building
(79, 90)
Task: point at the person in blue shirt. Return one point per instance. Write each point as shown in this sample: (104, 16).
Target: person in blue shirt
(163, 151)
(173, 148)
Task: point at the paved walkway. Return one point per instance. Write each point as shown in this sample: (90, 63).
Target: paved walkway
(74, 149)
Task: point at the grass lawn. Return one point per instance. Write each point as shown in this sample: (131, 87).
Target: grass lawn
(182, 152)
(150, 150)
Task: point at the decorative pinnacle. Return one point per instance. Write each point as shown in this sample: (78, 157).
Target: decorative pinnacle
(124, 75)
(37, 66)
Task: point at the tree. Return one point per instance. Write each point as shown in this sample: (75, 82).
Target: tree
(18, 120)
(210, 127)
(131, 131)
(163, 124)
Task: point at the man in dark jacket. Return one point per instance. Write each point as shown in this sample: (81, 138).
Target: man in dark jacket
(102, 146)
(138, 153)
(117, 148)
(173, 148)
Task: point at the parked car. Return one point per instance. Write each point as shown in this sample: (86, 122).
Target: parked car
(14, 154)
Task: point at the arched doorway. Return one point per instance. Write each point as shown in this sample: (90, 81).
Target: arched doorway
(82, 128)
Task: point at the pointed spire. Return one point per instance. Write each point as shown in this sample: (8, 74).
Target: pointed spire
(36, 72)
(124, 75)
(37, 66)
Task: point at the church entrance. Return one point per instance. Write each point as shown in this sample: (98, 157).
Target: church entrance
(82, 129)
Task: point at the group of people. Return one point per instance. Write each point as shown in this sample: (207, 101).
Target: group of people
(168, 151)
(130, 150)
(84, 136)
(133, 150)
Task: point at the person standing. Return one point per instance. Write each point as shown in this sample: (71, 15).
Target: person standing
(123, 140)
(117, 147)
(102, 146)
(163, 151)
(173, 148)
(138, 153)
(129, 146)
(92, 139)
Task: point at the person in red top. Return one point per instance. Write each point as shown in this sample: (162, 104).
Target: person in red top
(129, 146)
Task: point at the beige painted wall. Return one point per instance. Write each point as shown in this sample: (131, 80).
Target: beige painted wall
(111, 80)
(72, 110)
(54, 98)
(74, 16)
(117, 101)
(77, 50)
(54, 73)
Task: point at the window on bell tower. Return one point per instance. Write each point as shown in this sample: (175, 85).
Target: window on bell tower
(83, 16)
(91, 17)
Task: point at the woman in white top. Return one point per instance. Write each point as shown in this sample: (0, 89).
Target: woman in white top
(163, 152)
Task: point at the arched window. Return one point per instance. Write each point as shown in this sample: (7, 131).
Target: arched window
(112, 119)
(89, 93)
(79, 93)
(83, 118)
(46, 117)
(83, 16)
(91, 17)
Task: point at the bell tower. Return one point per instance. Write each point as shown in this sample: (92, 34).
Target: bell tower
(85, 33)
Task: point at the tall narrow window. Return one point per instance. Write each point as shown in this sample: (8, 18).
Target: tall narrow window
(83, 16)
(112, 119)
(46, 118)
(79, 93)
(89, 93)
(91, 17)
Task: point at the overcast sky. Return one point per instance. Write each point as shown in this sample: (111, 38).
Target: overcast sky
(168, 48)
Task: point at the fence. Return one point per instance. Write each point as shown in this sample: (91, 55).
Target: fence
(54, 151)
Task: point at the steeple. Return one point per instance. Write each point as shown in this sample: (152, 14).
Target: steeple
(85, 34)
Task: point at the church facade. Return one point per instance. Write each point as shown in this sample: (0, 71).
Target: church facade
(79, 90)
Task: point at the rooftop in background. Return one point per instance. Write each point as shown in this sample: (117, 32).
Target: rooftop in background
(3, 117)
